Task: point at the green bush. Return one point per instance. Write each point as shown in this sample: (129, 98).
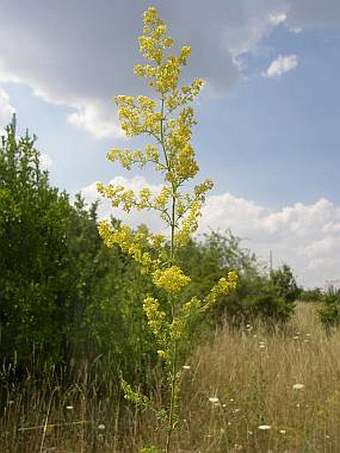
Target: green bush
(329, 313)
(285, 283)
(60, 287)
(257, 296)
(312, 295)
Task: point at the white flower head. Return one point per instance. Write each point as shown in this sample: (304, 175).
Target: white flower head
(298, 386)
(264, 427)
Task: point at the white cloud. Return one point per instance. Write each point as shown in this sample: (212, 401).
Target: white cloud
(282, 64)
(305, 236)
(93, 115)
(6, 109)
(278, 18)
(90, 116)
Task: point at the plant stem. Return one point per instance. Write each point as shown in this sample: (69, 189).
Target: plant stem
(173, 387)
(173, 370)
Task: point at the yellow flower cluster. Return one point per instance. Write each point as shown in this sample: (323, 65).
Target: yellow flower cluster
(134, 244)
(157, 240)
(171, 279)
(183, 95)
(156, 320)
(222, 288)
(173, 154)
(177, 329)
(163, 70)
(128, 157)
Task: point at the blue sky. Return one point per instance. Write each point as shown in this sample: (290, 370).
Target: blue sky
(268, 128)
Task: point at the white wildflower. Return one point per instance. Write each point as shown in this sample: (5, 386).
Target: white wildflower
(264, 427)
(298, 386)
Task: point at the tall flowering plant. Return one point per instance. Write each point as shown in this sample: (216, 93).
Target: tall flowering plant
(167, 120)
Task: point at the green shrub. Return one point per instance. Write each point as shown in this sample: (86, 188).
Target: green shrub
(257, 296)
(312, 295)
(329, 313)
(285, 283)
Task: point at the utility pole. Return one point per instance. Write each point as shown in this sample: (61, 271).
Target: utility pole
(270, 261)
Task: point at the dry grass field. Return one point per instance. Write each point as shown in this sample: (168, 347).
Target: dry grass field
(249, 391)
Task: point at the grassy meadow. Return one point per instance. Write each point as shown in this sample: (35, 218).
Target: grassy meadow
(249, 390)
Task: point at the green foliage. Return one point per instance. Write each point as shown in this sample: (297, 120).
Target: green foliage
(33, 224)
(311, 295)
(51, 263)
(329, 312)
(64, 296)
(285, 283)
(256, 296)
(116, 320)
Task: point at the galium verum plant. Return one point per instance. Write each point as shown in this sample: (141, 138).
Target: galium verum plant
(167, 119)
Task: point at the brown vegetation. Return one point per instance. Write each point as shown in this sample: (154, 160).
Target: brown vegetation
(251, 391)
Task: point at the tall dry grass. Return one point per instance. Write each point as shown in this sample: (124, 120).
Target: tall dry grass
(287, 383)
(250, 391)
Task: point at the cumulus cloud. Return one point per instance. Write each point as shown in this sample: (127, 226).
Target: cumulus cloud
(282, 64)
(305, 236)
(89, 115)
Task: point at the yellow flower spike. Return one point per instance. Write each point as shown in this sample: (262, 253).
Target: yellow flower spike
(222, 288)
(171, 279)
(156, 320)
(149, 15)
(167, 119)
